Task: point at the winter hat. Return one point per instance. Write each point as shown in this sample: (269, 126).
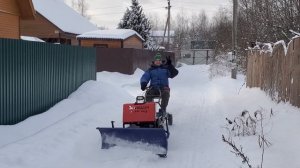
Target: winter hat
(157, 57)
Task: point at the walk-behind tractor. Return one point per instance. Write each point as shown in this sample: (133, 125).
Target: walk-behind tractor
(145, 126)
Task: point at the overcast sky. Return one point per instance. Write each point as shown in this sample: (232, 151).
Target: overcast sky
(108, 13)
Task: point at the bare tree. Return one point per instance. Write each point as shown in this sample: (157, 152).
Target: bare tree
(203, 25)
(222, 28)
(258, 21)
(199, 26)
(155, 21)
(182, 39)
(269, 20)
(81, 7)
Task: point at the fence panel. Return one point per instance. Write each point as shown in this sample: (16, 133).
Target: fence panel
(35, 76)
(277, 73)
(295, 72)
(126, 60)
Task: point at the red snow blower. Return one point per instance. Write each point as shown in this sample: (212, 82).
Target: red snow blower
(145, 125)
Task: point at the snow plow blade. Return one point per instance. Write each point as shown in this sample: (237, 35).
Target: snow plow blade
(153, 139)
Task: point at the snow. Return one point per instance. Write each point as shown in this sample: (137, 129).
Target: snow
(294, 32)
(281, 42)
(268, 47)
(66, 135)
(62, 16)
(296, 36)
(115, 34)
(263, 47)
(29, 38)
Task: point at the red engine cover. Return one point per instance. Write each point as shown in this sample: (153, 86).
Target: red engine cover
(133, 113)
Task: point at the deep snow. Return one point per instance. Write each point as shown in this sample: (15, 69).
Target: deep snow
(65, 136)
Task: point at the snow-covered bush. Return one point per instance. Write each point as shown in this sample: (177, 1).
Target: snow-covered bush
(243, 125)
(247, 124)
(221, 66)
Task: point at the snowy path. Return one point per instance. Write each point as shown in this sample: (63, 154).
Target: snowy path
(66, 135)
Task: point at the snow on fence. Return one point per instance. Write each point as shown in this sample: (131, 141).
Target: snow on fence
(276, 71)
(34, 76)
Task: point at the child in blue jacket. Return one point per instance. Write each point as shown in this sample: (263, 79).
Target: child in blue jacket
(158, 75)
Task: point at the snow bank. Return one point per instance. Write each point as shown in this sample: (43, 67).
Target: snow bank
(66, 135)
(29, 38)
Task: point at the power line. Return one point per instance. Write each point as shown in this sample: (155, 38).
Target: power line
(119, 6)
(190, 8)
(190, 2)
(109, 7)
(145, 9)
(102, 14)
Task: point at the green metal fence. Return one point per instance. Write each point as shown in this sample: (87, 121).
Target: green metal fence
(34, 76)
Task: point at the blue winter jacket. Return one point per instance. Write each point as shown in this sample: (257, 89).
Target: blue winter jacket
(158, 75)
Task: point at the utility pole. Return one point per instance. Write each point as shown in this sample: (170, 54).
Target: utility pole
(168, 24)
(234, 39)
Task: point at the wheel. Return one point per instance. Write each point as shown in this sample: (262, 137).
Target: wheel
(170, 119)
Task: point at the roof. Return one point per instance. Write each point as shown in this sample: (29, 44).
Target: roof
(114, 34)
(63, 16)
(26, 9)
(160, 33)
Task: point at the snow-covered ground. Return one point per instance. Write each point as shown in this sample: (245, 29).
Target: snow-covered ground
(66, 137)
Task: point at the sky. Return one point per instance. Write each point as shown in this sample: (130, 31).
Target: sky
(107, 14)
(65, 136)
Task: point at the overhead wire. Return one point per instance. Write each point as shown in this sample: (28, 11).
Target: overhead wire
(186, 3)
(109, 7)
(101, 14)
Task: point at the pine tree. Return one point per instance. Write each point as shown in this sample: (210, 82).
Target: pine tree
(124, 21)
(135, 19)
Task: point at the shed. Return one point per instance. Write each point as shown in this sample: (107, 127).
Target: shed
(116, 38)
(11, 12)
(56, 22)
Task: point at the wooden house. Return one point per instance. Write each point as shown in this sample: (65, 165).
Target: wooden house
(160, 38)
(118, 38)
(11, 12)
(56, 22)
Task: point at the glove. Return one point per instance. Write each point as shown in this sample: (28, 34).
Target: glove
(169, 61)
(143, 86)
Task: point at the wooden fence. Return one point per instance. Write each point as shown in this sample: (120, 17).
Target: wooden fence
(277, 72)
(126, 60)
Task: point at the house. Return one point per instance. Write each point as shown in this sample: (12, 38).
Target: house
(56, 22)
(11, 12)
(117, 38)
(160, 38)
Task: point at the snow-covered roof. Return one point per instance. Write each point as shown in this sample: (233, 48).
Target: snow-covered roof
(114, 34)
(160, 33)
(29, 38)
(64, 17)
